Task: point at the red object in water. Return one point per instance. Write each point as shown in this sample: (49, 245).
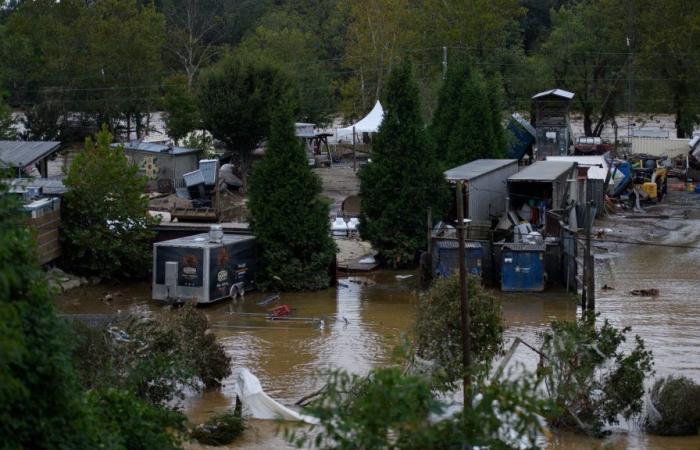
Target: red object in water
(280, 311)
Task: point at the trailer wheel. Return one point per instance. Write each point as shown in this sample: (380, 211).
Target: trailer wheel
(233, 293)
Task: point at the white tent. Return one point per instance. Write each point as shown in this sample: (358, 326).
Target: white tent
(368, 124)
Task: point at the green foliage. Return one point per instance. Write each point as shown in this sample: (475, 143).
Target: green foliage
(7, 123)
(286, 40)
(182, 115)
(105, 214)
(674, 407)
(403, 180)
(127, 422)
(589, 377)
(155, 359)
(467, 123)
(40, 405)
(221, 429)
(437, 331)
(236, 100)
(287, 213)
(391, 410)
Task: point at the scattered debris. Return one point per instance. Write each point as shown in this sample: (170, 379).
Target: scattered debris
(653, 292)
(403, 277)
(607, 288)
(269, 299)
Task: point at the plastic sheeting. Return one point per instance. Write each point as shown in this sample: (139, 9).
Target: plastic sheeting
(369, 124)
(259, 404)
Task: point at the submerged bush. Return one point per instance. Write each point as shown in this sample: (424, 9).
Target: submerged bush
(438, 328)
(221, 429)
(674, 407)
(154, 358)
(589, 378)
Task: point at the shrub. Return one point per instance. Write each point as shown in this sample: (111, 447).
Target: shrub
(221, 429)
(674, 407)
(438, 327)
(590, 379)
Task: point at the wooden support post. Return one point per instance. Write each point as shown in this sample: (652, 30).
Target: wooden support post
(354, 156)
(590, 277)
(464, 301)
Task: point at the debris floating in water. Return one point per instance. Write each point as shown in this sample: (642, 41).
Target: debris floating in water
(653, 292)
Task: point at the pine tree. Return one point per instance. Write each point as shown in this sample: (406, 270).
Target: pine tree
(467, 123)
(287, 213)
(403, 179)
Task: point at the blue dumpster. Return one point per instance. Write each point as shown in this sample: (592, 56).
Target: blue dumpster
(446, 257)
(522, 268)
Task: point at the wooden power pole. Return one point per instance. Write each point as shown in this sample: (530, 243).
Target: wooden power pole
(464, 301)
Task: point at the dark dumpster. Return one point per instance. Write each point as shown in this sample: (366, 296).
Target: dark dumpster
(446, 257)
(523, 267)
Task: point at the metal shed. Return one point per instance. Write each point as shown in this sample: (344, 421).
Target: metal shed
(162, 164)
(23, 154)
(545, 183)
(552, 122)
(485, 190)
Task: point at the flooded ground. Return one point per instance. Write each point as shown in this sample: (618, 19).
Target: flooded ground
(379, 307)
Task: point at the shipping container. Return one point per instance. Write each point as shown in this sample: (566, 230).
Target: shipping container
(523, 267)
(204, 268)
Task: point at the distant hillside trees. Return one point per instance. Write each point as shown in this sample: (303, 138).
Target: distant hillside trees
(404, 178)
(287, 213)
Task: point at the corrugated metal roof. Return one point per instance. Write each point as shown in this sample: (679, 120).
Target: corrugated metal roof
(454, 243)
(48, 186)
(520, 247)
(598, 166)
(525, 124)
(24, 153)
(555, 93)
(477, 168)
(154, 147)
(543, 171)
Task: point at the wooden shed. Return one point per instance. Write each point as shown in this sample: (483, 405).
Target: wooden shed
(163, 165)
(551, 120)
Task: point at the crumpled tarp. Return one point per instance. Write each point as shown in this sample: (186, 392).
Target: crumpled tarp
(259, 404)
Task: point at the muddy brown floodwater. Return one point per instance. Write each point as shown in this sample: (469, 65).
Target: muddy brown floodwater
(379, 307)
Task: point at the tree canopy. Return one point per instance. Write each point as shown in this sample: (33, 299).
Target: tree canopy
(287, 213)
(404, 178)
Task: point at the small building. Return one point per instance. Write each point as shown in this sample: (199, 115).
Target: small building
(163, 165)
(593, 171)
(485, 191)
(540, 187)
(552, 122)
(523, 267)
(445, 257)
(25, 156)
(204, 268)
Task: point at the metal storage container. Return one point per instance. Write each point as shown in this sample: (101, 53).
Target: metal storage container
(523, 268)
(209, 168)
(194, 268)
(446, 257)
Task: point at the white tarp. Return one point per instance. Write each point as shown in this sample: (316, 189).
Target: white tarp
(259, 404)
(369, 124)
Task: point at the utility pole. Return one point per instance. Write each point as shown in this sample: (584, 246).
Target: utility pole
(444, 62)
(354, 157)
(463, 301)
(590, 276)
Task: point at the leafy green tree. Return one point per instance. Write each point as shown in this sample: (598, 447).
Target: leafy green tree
(285, 40)
(287, 213)
(105, 214)
(467, 123)
(40, 403)
(590, 377)
(437, 331)
(235, 99)
(388, 409)
(7, 123)
(181, 113)
(403, 179)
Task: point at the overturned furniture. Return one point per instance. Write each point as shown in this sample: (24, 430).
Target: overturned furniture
(204, 268)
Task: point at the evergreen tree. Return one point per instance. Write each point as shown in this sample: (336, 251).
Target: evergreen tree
(105, 215)
(467, 123)
(287, 213)
(182, 115)
(7, 123)
(403, 179)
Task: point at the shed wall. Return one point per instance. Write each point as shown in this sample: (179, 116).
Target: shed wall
(487, 198)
